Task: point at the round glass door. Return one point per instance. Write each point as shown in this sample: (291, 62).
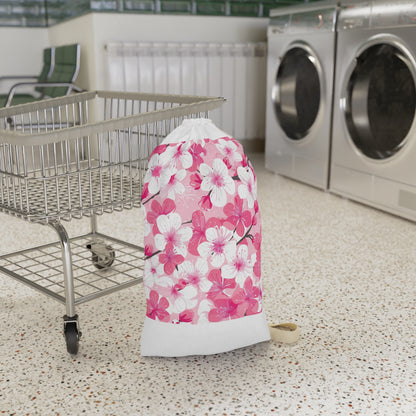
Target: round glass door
(380, 101)
(297, 93)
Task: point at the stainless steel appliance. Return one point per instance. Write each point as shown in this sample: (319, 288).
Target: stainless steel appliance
(374, 129)
(300, 71)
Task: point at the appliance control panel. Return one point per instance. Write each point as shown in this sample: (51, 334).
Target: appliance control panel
(322, 20)
(376, 14)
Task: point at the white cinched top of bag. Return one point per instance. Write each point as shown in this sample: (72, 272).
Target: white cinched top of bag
(195, 129)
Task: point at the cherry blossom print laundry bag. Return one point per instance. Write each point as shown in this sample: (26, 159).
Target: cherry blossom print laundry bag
(202, 274)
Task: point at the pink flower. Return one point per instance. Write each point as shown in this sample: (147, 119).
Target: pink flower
(224, 309)
(220, 287)
(227, 163)
(145, 191)
(237, 217)
(170, 259)
(248, 298)
(156, 209)
(196, 150)
(257, 241)
(175, 185)
(157, 308)
(160, 149)
(199, 226)
(186, 316)
(148, 250)
(205, 202)
(244, 161)
(196, 181)
(257, 265)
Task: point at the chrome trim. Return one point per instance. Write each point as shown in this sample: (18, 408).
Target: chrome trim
(302, 8)
(322, 102)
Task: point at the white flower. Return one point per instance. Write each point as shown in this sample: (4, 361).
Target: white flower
(181, 295)
(175, 153)
(175, 186)
(196, 274)
(147, 227)
(239, 267)
(203, 310)
(152, 271)
(220, 245)
(157, 174)
(229, 149)
(247, 189)
(171, 231)
(217, 181)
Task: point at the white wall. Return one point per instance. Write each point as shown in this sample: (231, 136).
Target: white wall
(22, 47)
(21, 52)
(140, 27)
(93, 31)
(79, 30)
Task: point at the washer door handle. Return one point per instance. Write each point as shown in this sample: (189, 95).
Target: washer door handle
(320, 21)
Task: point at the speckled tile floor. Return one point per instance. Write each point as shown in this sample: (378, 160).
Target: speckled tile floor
(345, 273)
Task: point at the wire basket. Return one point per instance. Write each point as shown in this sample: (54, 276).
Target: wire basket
(57, 165)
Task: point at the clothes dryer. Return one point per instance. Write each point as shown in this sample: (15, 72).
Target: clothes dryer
(374, 127)
(300, 73)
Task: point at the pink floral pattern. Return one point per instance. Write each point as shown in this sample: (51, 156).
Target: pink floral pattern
(203, 239)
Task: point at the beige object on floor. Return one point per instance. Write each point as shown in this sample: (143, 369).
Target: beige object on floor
(287, 333)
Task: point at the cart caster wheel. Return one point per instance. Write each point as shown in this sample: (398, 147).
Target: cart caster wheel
(104, 262)
(102, 256)
(72, 335)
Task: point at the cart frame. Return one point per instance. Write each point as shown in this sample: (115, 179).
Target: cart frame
(56, 166)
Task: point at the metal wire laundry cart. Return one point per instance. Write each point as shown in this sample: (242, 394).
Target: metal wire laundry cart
(56, 165)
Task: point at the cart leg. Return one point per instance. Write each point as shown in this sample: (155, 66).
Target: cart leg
(93, 223)
(71, 330)
(67, 266)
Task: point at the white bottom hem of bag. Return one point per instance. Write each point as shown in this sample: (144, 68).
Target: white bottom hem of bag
(177, 340)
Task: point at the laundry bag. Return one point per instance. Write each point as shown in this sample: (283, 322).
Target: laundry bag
(202, 274)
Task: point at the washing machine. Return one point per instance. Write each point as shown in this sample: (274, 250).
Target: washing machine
(300, 75)
(374, 127)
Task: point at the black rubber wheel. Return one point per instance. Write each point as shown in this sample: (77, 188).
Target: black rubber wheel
(72, 337)
(104, 262)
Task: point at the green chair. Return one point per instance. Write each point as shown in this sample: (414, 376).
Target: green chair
(46, 72)
(59, 83)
